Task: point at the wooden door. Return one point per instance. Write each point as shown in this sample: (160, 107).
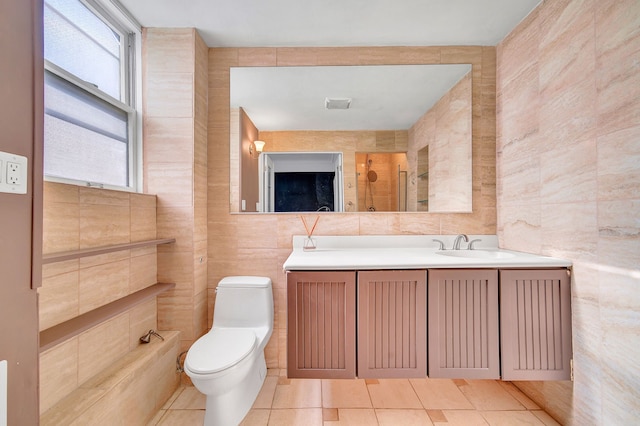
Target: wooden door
(535, 322)
(392, 324)
(321, 332)
(463, 324)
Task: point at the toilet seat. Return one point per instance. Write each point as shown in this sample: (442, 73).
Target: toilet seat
(220, 349)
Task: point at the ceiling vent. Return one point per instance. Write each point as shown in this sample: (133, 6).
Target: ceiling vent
(337, 103)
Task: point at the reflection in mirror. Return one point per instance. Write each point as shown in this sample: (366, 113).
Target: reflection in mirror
(395, 110)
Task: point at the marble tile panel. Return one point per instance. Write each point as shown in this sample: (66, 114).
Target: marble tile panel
(143, 272)
(169, 94)
(50, 270)
(172, 182)
(176, 222)
(143, 224)
(61, 227)
(104, 259)
(520, 170)
(99, 346)
(567, 45)
(102, 225)
(257, 56)
(618, 56)
(169, 49)
(58, 373)
(298, 393)
(103, 197)
(54, 192)
(568, 114)
(618, 156)
(176, 313)
(345, 394)
(393, 393)
(168, 139)
(382, 55)
(142, 318)
(489, 395)
(518, 50)
(569, 173)
(619, 234)
(102, 284)
(440, 394)
(257, 231)
(176, 267)
(569, 230)
(58, 299)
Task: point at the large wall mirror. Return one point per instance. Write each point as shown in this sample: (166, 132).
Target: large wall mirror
(404, 133)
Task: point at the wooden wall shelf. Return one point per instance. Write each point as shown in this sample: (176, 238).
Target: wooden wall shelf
(68, 329)
(94, 251)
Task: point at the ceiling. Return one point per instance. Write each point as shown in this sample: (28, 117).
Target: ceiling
(296, 23)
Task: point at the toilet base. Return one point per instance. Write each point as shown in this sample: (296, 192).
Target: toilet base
(228, 409)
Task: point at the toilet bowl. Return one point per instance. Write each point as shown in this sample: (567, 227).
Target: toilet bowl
(227, 364)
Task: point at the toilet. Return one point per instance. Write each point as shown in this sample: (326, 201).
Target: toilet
(227, 364)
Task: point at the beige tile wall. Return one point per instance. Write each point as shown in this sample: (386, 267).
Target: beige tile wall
(74, 218)
(568, 178)
(258, 244)
(175, 169)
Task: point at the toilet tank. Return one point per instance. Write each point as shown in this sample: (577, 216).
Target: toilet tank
(244, 301)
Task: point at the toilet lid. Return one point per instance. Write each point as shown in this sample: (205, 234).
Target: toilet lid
(220, 348)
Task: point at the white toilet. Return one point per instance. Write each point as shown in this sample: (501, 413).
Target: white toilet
(227, 364)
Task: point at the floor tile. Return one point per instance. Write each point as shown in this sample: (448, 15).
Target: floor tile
(256, 417)
(354, 417)
(545, 418)
(296, 417)
(391, 417)
(488, 395)
(189, 399)
(393, 393)
(268, 390)
(437, 416)
(462, 418)
(345, 394)
(511, 418)
(299, 393)
(330, 415)
(156, 419)
(173, 397)
(440, 394)
(519, 396)
(182, 418)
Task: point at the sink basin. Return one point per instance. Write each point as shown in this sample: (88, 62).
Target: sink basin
(476, 254)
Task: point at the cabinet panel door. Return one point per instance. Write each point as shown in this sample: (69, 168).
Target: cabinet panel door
(463, 324)
(392, 324)
(535, 321)
(321, 330)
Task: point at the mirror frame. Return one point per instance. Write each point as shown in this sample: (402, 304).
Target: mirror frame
(483, 83)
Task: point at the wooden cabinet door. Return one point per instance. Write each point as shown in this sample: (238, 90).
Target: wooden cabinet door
(463, 324)
(535, 321)
(392, 333)
(321, 330)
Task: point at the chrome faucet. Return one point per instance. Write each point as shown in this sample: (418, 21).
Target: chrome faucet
(456, 242)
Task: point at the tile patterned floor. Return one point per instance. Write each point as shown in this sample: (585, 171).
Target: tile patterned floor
(387, 402)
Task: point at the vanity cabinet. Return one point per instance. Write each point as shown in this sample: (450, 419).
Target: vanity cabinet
(535, 324)
(321, 328)
(463, 324)
(392, 324)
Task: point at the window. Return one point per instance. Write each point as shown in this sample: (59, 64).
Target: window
(91, 132)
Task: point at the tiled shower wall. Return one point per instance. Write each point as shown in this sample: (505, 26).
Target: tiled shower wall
(77, 218)
(258, 244)
(175, 169)
(568, 166)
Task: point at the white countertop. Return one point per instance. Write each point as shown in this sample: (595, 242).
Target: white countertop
(366, 252)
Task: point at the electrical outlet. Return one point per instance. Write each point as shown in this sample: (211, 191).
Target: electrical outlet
(13, 173)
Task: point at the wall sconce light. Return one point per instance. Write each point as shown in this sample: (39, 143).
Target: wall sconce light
(256, 146)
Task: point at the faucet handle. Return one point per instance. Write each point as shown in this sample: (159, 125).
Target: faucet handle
(441, 244)
(470, 247)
